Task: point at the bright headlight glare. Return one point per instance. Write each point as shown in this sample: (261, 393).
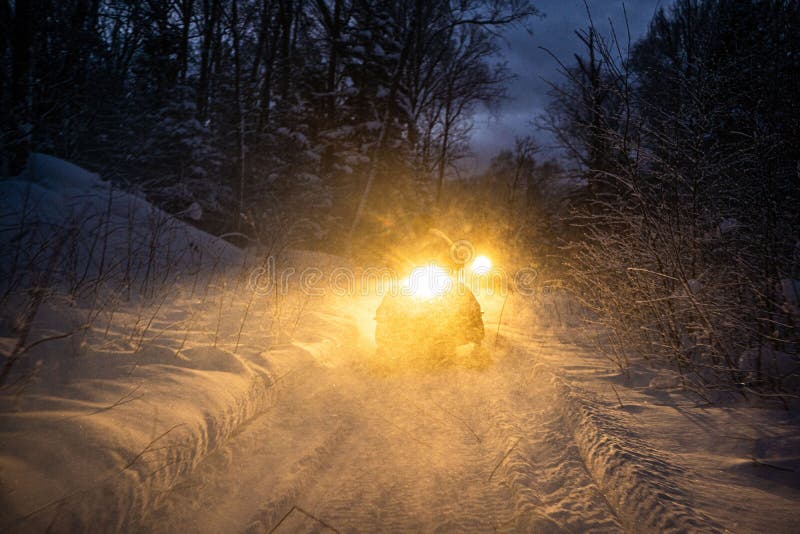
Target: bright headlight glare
(427, 282)
(481, 265)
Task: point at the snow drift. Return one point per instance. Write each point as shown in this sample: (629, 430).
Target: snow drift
(133, 347)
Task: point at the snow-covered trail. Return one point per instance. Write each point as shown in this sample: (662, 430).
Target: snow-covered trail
(352, 448)
(192, 400)
(308, 431)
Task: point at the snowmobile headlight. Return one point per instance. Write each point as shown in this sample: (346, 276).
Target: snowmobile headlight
(428, 282)
(481, 265)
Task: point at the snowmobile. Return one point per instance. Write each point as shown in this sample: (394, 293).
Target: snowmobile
(428, 316)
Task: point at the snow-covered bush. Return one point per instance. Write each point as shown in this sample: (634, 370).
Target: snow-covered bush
(686, 241)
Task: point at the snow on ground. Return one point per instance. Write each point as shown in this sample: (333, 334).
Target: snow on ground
(658, 449)
(200, 405)
(126, 369)
(664, 457)
(58, 218)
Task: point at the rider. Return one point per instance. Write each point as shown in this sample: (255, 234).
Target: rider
(431, 244)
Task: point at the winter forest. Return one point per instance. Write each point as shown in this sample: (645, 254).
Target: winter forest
(628, 360)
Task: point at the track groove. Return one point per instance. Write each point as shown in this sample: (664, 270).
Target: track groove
(452, 449)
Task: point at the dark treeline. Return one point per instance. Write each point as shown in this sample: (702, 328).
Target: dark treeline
(271, 115)
(672, 215)
(685, 238)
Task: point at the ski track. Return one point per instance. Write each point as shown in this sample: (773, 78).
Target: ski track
(354, 449)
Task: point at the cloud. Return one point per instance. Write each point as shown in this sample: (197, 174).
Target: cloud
(534, 66)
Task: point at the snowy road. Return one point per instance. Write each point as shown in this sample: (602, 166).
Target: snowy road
(234, 431)
(349, 448)
(202, 405)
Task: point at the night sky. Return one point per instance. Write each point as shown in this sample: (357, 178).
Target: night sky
(532, 66)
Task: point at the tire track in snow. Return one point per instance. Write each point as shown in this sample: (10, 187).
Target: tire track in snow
(554, 490)
(447, 450)
(422, 491)
(270, 456)
(638, 482)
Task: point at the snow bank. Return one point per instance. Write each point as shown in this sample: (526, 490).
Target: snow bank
(663, 461)
(100, 431)
(641, 483)
(146, 353)
(57, 213)
(56, 174)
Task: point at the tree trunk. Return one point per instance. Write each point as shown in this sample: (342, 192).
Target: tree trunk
(334, 34)
(285, 21)
(387, 117)
(263, 34)
(237, 65)
(21, 85)
(269, 65)
(186, 22)
(5, 114)
(210, 18)
(445, 143)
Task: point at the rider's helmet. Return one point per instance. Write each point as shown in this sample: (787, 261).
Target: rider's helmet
(429, 244)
